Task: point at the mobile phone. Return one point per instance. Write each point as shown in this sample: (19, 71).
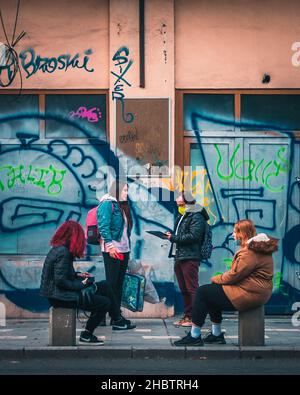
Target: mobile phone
(120, 256)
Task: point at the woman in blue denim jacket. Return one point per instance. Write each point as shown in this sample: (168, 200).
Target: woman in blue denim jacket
(115, 224)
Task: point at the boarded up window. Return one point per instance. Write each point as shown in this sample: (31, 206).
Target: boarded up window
(145, 140)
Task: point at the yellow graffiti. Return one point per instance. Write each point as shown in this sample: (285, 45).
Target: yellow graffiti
(198, 182)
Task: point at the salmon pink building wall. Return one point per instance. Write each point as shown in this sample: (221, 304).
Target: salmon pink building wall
(56, 28)
(232, 44)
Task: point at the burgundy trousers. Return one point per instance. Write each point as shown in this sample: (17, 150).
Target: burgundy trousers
(187, 277)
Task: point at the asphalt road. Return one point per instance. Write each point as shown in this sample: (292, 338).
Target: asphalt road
(96, 366)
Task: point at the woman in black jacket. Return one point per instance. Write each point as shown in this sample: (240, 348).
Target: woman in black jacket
(62, 285)
(187, 240)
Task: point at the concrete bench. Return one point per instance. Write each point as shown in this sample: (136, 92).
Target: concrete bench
(62, 327)
(252, 327)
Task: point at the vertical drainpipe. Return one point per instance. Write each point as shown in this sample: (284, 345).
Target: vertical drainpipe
(142, 42)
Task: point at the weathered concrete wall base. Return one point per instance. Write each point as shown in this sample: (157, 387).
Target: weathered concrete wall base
(13, 311)
(159, 310)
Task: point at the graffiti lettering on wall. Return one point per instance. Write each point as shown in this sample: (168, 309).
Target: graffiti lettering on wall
(8, 65)
(32, 63)
(23, 216)
(92, 115)
(50, 179)
(261, 170)
(118, 91)
(129, 137)
(9, 61)
(197, 182)
(18, 214)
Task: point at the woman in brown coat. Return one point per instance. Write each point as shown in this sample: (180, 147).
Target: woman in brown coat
(246, 285)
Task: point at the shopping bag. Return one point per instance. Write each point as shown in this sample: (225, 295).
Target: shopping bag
(151, 295)
(133, 292)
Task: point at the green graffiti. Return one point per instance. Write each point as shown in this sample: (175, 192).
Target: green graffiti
(260, 171)
(57, 179)
(231, 161)
(277, 280)
(277, 284)
(217, 273)
(228, 263)
(50, 179)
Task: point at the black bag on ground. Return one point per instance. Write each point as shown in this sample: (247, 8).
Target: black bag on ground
(87, 294)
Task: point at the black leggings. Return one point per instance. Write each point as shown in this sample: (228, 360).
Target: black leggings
(210, 299)
(103, 301)
(115, 272)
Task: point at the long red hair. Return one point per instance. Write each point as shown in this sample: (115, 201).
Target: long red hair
(244, 230)
(71, 235)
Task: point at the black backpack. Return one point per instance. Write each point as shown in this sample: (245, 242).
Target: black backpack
(207, 246)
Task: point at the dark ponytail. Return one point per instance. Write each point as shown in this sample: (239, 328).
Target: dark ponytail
(115, 191)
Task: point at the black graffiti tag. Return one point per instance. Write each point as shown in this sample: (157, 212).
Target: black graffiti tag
(118, 92)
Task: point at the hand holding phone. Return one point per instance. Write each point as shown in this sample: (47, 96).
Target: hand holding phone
(114, 253)
(84, 282)
(88, 280)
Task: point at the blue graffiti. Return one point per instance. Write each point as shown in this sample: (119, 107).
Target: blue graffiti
(32, 63)
(290, 242)
(9, 61)
(246, 195)
(43, 211)
(21, 214)
(117, 93)
(263, 222)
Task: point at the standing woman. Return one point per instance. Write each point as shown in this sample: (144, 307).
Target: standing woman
(115, 225)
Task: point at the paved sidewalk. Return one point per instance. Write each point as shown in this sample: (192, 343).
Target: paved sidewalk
(152, 338)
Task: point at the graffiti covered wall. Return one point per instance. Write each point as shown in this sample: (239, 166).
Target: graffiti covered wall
(56, 146)
(251, 172)
(43, 183)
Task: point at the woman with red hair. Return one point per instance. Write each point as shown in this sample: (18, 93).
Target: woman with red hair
(62, 285)
(246, 285)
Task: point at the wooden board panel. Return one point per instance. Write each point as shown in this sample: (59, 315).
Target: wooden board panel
(145, 140)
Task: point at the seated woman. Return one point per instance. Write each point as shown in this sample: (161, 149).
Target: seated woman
(246, 285)
(62, 285)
